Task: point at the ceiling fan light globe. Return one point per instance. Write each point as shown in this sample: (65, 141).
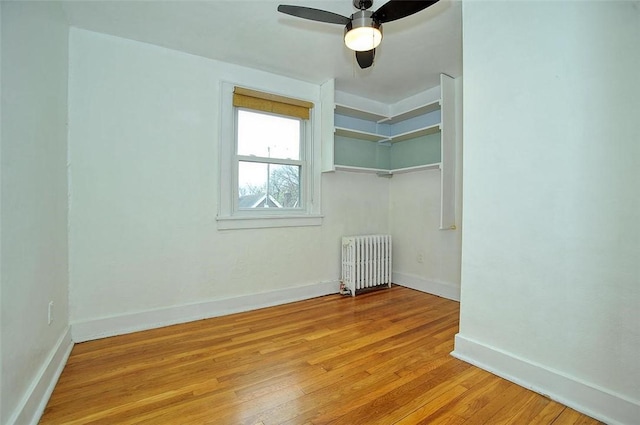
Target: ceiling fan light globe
(363, 38)
(363, 33)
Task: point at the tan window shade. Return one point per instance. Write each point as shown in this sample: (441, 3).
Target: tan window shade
(267, 102)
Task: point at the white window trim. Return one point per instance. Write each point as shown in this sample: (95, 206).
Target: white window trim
(228, 218)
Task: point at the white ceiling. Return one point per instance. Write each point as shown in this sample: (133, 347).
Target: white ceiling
(414, 51)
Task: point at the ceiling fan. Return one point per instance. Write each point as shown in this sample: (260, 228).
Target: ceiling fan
(363, 30)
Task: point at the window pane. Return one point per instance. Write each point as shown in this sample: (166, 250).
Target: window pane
(268, 136)
(268, 185)
(252, 183)
(284, 185)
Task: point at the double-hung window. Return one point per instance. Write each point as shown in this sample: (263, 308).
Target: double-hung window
(267, 163)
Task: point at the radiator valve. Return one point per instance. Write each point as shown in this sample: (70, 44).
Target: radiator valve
(343, 289)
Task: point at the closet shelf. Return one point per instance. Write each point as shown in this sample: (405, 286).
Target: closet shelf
(381, 171)
(349, 111)
(357, 134)
(375, 137)
(421, 110)
(415, 133)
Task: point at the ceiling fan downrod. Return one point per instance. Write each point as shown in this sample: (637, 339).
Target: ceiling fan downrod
(362, 4)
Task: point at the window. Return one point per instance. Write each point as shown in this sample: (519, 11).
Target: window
(270, 160)
(268, 177)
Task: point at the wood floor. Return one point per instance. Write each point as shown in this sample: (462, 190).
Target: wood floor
(381, 358)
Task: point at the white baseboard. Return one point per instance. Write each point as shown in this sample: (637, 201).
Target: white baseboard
(598, 403)
(441, 289)
(144, 320)
(38, 394)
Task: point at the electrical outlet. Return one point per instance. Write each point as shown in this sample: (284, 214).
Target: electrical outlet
(50, 313)
(420, 258)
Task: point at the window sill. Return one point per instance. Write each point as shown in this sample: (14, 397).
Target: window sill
(263, 222)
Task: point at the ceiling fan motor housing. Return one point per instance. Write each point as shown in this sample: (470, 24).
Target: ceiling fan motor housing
(360, 21)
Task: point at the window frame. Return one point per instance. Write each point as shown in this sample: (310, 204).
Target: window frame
(230, 216)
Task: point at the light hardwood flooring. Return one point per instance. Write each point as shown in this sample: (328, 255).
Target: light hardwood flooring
(380, 358)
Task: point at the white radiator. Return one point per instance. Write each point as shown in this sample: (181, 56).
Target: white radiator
(366, 262)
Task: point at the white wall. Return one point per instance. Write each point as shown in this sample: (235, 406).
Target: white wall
(424, 257)
(34, 205)
(144, 186)
(551, 237)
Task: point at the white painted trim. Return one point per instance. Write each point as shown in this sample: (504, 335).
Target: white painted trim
(151, 319)
(245, 222)
(37, 396)
(599, 403)
(447, 290)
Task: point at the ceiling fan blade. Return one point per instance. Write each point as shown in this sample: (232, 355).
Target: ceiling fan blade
(314, 14)
(365, 59)
(397, 9)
